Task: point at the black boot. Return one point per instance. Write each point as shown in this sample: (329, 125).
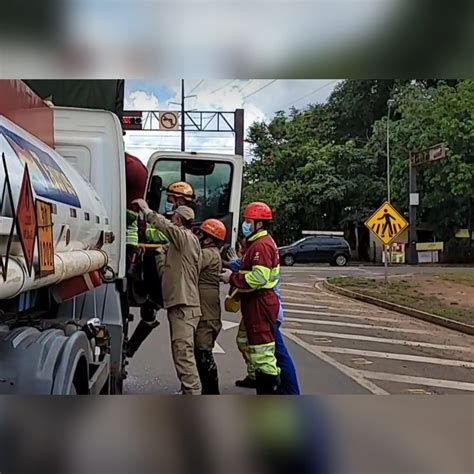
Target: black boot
(207, 369)
(247, 382)
(142, 331)
(266, 384)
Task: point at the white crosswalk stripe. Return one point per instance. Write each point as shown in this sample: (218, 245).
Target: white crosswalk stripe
(384, 340)
(354, 325)
(396, 356)
(352, 329)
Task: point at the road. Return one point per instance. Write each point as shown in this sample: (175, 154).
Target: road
(339, 346)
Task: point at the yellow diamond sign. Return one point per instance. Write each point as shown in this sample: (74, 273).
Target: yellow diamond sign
(386, 223)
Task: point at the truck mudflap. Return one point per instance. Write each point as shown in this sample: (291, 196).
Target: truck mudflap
(47, 362)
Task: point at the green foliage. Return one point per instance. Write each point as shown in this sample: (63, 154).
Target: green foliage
(325, 167)
(429, 116)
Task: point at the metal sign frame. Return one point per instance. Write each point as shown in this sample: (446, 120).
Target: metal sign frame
(194, 121)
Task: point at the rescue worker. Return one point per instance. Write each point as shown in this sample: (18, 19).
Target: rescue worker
(212, 234)
(289, 381)
(180, 289)
(258, 275)
(177, 193)
(136, 179)
(136, 176)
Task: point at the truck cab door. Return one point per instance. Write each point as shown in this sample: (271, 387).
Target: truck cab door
(216, 180)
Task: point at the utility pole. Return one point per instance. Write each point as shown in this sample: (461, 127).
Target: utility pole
(417, 158)
(385, 247)
(239, 131)
(183, 118)
(389, 103)
(412, 256)
(183, 114)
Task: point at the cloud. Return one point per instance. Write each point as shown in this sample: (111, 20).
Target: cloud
(259, 103)
(141, 100)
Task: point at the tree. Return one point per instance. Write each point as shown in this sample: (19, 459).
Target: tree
(429, 116)
(325, 167)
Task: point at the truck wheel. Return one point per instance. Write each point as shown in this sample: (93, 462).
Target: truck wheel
(116, 385)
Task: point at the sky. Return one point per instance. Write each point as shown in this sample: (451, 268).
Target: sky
(259, 98)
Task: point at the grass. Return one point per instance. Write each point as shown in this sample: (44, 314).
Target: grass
(408, 292)
(463, 278)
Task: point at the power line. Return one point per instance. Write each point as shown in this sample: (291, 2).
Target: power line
(308, 94)
(225, 85)
(260, 89)
(247, 83)
(196, 86)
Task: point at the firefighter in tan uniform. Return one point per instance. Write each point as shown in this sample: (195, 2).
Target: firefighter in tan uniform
(180, 290)
(177, 194)
(212, 234)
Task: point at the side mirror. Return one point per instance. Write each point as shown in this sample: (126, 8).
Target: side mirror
(153, 196)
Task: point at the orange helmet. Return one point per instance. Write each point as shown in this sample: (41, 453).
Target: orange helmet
(214, 228)
(181, 189)
(258, 211)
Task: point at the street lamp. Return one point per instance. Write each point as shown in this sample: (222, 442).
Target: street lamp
(390, 102)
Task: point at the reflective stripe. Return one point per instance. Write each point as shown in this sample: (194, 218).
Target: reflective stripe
(243, 346)
(131, 234)
(258, 277)
(262, 348)
(263, 358)
(262, 278)
(258, 235)
(155, 235)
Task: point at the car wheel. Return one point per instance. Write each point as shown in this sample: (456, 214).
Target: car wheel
(289, 260)
(341, 261)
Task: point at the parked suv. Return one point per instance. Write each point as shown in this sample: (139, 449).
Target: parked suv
(318, 249)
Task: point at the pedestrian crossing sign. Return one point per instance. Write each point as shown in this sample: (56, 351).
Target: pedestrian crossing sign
(386, 223)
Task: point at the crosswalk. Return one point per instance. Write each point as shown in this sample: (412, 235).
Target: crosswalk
(383, 351)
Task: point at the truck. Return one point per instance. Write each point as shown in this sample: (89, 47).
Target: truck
(64, 306)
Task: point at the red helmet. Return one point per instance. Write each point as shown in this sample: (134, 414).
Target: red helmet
(214, 228)
(258, 211)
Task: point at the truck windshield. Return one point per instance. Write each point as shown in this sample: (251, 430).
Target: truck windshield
(211, 181)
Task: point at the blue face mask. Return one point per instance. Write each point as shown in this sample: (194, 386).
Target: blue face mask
(246, 228)
(169, 207)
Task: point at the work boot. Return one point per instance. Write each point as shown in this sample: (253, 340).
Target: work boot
(207, 369)
(266, 384)
(141, 332)
(247, 382)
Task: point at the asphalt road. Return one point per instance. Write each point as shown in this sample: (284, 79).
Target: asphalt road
(339, 346)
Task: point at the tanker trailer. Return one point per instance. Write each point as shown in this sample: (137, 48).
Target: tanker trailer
(56, 281)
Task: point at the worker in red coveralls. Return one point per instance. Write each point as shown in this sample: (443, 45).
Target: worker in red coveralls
(136, 179)
(258, 275)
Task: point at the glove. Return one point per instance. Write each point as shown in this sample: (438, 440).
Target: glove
(234, 264)
(225, 276)
(143, 205)
(231, 254)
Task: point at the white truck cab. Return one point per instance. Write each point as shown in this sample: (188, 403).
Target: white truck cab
(64, 332)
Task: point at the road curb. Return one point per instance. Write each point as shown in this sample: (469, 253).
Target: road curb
(416, 313)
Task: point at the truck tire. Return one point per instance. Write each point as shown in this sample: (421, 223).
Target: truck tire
(116, 385)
